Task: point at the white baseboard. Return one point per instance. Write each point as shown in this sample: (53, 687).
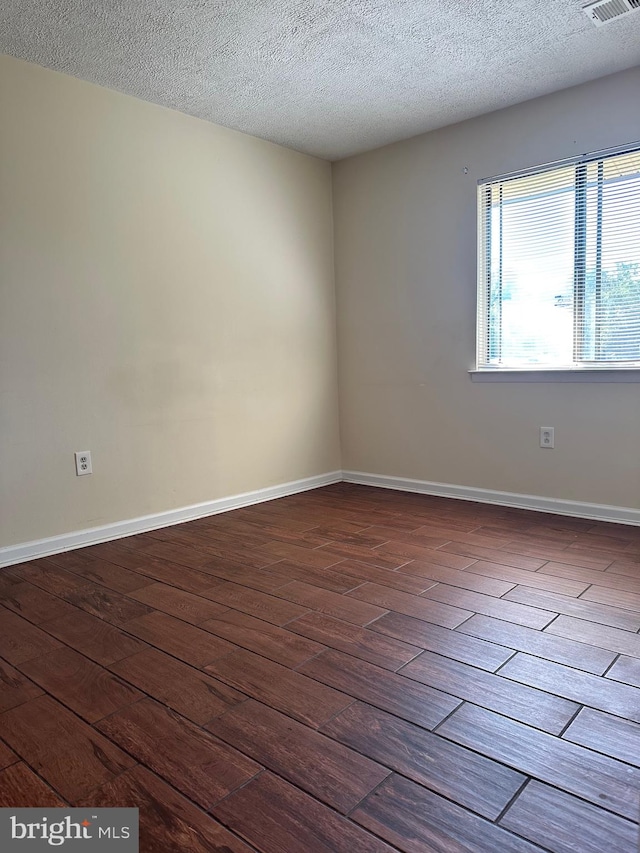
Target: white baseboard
(597, 512)
(13, 554)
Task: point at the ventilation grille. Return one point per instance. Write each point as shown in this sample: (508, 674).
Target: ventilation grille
(604, 11)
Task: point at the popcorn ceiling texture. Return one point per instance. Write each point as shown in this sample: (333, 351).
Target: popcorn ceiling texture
(325, 77)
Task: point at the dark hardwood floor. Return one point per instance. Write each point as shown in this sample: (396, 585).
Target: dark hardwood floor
(349, 670)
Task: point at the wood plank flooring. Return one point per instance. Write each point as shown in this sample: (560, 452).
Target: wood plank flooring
(349, 670)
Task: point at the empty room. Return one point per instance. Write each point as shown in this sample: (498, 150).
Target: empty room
(320, 426)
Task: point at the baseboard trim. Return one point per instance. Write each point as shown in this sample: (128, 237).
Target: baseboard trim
(12, 554)
(596, 512)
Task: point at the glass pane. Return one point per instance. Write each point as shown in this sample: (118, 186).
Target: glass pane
(612, 287)
(532, 260)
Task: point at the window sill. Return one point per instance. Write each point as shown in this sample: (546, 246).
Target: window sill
(628, 374)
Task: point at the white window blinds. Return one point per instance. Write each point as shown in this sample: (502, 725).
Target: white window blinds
(559, 266)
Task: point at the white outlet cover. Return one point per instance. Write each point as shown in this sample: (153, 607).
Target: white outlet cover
(83, 462)
(547, 438)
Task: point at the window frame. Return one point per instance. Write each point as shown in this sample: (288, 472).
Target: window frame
(582, 369)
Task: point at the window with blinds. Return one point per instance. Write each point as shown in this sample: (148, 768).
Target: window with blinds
(559, 266)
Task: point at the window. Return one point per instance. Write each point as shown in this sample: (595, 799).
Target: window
(559, 266)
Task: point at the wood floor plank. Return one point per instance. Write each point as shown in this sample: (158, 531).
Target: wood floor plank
(614, 597)
(9, 581)
(322, 578)
(190, 535)
(35, 604)
(15, 687)
(112, 576)
(427, 538)
(230, 549)
(602, 636)
(187, 642)
(435, 535)
(595, 540)
(93, 637)
(440, 557)
(576, 607)
(363, 537)
(280, 688)
(629, 566)
(198, 764)
(471, 780)
(47, 576)
(597, 778)
(153, 567)
(183, 556)
(494, 555)
(585, 560)
(411, 605)
(627, 670)
(251, 556)
(80, 684)
(275, 817)
(20, 788)
(106, 604)
(519, 614)
(179, 603)
(295, 515)
(416, 820)
(558, 649)
(281, 645)
(168, 821)
(333, 530)
(364, 555)
(569, 823)
(581, 687)
(267, 607)
(386, 577)
(536, 580)
(410, 551)
(609, 735)
(443, 641)
(192, 693)
(417, 703)
(70, 559)
(520, 702)
(66, 752)
(607, 580)
(328, 770)
(359, 642)
(234, 572)
(331, 603)
(455, 577)
(317, 558)
(7, 756)
(20, 640)
(456, 526)
(268, 532)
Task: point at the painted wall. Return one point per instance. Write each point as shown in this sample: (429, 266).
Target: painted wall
(167, 302)
(405, 226)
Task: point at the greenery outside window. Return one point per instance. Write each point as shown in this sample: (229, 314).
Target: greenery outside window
(559, 266)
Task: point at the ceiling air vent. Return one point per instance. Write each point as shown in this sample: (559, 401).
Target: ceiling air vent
(604, 11)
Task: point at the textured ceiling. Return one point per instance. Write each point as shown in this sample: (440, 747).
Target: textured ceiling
(325, 77)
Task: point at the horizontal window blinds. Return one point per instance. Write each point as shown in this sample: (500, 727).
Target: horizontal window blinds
(559, 266)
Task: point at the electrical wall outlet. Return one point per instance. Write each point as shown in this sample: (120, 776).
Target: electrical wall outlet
(547, 437)
(83, 462)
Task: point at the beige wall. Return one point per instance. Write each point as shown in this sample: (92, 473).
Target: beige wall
(405, 219)
(167, 302)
